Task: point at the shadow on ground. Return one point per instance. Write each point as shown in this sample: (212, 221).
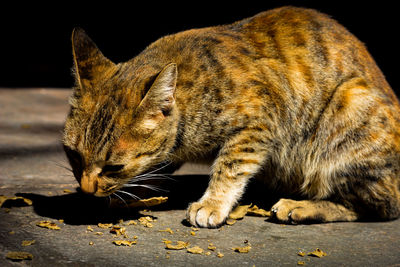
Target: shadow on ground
(80, 209)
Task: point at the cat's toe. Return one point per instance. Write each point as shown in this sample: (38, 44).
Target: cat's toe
(295, 212)
(202, 215)
(284, 210)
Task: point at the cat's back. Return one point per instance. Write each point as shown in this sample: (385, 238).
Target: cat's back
(307, 46)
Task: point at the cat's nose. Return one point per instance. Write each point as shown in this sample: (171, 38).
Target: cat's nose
(88, 184)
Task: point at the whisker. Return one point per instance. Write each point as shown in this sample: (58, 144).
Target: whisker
(158, 169)
(130, 194)
(109, 201)
(61, 166)
(151, 187)
(152, 177)
(121, 199)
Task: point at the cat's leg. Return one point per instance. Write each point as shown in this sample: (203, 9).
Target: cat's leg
(372, 200)
(304, 211)
(239, 160)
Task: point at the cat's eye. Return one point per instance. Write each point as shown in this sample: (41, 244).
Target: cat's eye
(112, 168)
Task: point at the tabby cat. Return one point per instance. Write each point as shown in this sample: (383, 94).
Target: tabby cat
(288, 96)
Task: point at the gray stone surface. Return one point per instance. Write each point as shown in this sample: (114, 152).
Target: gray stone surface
(31, 165)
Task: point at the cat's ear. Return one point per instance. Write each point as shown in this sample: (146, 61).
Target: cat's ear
(89, 62)
(161, 95)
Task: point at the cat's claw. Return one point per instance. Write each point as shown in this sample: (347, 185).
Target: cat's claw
(288, 211)
(203, 214)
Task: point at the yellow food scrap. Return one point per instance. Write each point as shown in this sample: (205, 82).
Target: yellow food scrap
(118, 230)
(179, 245)
(124, 243)
(15, 201)
(239, 212)
(220, 255)
(245, 249)
(89, 228)
(318, 253)
(48, 225)
(193, 233)
(26, 243)
(131, 222)
(256, 211)
(230, 221)
(301, 253)
(195, 250)
(166, 241)
(2, 200)
(91, 243)
(211, 247)
(67, 191)
(301, 263)
(98, 233)
(19, 255)
(208, 253)
(146, 221)
(195, 229)
(105, 225)
(168, 230)
(153, 201)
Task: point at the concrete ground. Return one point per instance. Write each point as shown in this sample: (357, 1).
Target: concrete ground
(32, 165)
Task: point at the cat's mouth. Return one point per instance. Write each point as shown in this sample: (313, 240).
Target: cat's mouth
(97, 187)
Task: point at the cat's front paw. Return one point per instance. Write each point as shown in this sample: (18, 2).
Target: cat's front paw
(207, 214)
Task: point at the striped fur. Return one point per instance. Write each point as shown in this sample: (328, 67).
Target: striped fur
(288, 96)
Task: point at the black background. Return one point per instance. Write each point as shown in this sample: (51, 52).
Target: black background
(36, 47)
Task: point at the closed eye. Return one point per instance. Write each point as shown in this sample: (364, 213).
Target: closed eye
(112, 168)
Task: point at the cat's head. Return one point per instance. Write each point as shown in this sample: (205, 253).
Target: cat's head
(123, 118)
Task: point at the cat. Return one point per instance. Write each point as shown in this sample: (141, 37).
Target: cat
(287, 96)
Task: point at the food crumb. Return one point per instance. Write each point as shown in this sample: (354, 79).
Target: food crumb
(301, 263)
(211, 247)
(105, 225)
(179, 245)
(168, 230)
(146, 221)
(98, 233)
(48, 225)
(317, 253)
(195, 250)
(301, 253)
(124, 243)
(26, 243)
(230, 221)
(89, 228)
(256, 211)
(193, 233)
(118, 230)
(220, 255)
(131, 222)
(245, 249)
(239, 212)
(91, 243)
(19, 255)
